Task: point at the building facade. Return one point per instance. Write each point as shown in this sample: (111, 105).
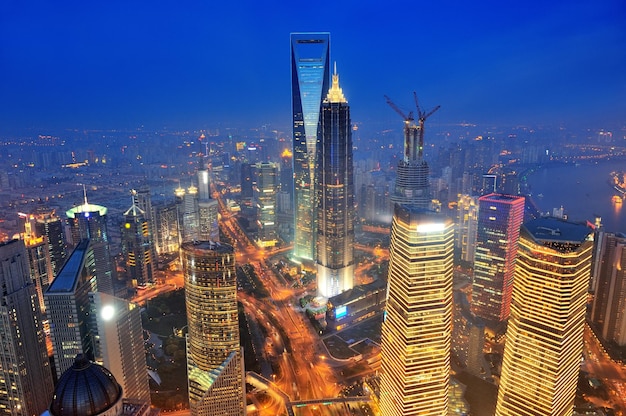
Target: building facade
(25, 374)
(334, 194)
(211, 300)
(499, 219)
(544, 338)
(467, 227)
(415, 349)
(310, 79)
(48, 224)
(608, 312)
(265, 187)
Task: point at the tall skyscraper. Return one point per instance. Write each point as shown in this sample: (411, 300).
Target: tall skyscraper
(68, 308)
(138, 246)
(609, 304)
(38, 253)
(89, 221)
(214, 359)
(188, 213)
(167, 238)
(264, 191)
(412, 175)
(415, 348)
(334, 189)
(499, 219)
(208, 210)
(310, 76)
(25, 375)
(119, 343)
(544, 338)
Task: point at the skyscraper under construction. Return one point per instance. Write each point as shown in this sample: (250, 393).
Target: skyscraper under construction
(412, 184)
(334, 189)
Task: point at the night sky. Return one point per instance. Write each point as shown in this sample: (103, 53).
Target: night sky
(123, 64)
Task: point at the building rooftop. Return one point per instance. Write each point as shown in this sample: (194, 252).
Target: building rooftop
(208, 245)
(86, 210)
(549, 229)
(68, 275)
(501, 197)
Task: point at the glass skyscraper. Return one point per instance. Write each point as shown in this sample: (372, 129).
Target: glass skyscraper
(544, 337)
(334, 189)
(310, 75)
(415, 347)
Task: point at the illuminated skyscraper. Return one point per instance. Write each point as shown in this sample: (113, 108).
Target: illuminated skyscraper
(25, 375)
(544, 338)
(137, 246)
(214, 360)
(416, 332)
(609, 303)
(68, 309)
(208, 229)
(499, 219)
(264, 191)
(310, 76)
(334, 190)
(48, 224)
(467, 226)
(89, 221)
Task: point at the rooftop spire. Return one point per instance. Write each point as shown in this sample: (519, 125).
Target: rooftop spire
(335, 94)
(85, 194)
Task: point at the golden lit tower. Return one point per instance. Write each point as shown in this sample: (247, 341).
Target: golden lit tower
(544, 338)
(214, 359)
(334, 194)
(418, 324)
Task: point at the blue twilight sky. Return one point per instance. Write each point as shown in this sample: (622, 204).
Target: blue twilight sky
(203, 64)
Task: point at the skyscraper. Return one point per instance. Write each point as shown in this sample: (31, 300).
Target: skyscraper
(25, 375)
(334, 193)
(264, 191)
(214, 360)
(138, 246)
(207, 210)
(310, 76)
(499, 219)
(412, 177)
(415, 348)
(609, 304)
(544, 338)
(119, 343)
(67, 305)
(89, 221)
(48, 224)
(467, 227)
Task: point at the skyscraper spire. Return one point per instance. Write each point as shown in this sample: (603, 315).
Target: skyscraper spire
(335, 94)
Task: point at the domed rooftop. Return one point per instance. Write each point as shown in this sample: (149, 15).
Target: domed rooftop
(85, 389)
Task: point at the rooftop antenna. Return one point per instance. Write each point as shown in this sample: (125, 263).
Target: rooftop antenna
(85, 194)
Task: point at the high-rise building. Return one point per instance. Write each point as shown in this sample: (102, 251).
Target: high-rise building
(38, 253)
(68, 308)
(48, 224)
(499, 219)
(412, 176)
(214, 358)
(25, 375)
(208, 210)
(137, 246)
(264, 191)
(119, 343)
(310, 79)
(609, 304)
(89, 221)
(544, 338)
(415, 349)
(334, 193)
(467, 227)
(188, 213)
(167, 240)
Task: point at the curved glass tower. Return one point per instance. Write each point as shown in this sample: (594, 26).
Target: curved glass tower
(310, 74)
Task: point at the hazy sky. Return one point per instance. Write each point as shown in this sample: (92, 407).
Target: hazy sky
(120, 64)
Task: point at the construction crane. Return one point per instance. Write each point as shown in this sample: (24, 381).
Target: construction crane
(421, 118)
(407, 118)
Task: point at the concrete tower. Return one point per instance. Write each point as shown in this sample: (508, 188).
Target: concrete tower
(416, 332)
(310, 76)
(544, 338)
(334, 189)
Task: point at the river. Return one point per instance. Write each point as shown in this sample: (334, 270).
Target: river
(583, 192)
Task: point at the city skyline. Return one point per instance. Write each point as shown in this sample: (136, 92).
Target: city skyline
(99, 66)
